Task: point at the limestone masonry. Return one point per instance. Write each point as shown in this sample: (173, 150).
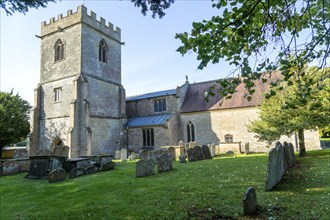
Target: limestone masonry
(80, 101)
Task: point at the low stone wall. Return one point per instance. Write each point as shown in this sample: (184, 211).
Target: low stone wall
(14, 153)
(13, 166)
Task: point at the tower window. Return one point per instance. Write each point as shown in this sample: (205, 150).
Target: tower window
(57, 94)
(228, 138)
(160, 105)
(190, 132)
(103, 51)
(148, 137)
(59, 50)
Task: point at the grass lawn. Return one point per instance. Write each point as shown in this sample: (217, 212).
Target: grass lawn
(208, 189)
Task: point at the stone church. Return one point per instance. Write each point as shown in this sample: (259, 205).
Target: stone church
(80, 101)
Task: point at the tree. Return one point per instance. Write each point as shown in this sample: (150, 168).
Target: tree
(22, 6)
(14, 118)
(295, 108)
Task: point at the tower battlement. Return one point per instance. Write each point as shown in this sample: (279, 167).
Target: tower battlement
(80, 16)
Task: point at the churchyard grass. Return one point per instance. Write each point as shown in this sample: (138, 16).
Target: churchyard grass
(207, 189)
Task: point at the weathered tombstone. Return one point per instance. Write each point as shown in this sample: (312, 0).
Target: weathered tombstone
(123, 154)
(293, 156)
(91, 169)
(171, 152)
(164, 162)
(182, 159)
(108, 166)
(181, 143)
(192, 144)
(38, 167)
(247, 148)
(199, 153)
(154, 154)
(287, 157)
(133, 156)
(76, 172)
(144, 168)
(118, 154)
(56, 175)
(145, 154)
(280, 161)
(250, 201)
(192, 155)
(43, 152)
(212, 149)
(206, 152)
(61, 151)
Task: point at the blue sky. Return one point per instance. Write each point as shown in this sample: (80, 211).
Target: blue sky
(149, 58)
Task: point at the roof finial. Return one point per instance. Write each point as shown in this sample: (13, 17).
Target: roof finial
(187, 79)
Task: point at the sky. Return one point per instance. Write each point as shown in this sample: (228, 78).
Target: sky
(149, 59)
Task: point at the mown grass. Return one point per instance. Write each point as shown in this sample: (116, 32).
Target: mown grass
(208, 189)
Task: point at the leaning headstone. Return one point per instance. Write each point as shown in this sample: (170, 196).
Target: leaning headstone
(108, 166)
(91, 169)
(144, 168)
(182, 159)
(76, 172)
(118, 155)
(250, 201)
(164, 162)
(145, 154)
(123, 154)
(206, 152)
(56, 175)
(61, 151)
(199, 153)
(192, 155)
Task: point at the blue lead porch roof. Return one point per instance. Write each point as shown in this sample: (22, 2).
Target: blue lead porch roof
(152, 95)
(143, 121)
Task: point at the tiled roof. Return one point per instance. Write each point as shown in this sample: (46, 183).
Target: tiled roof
(148, 120)
(152, 95)
(194, 100)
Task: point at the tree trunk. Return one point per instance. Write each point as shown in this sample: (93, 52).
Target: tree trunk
(301, 137)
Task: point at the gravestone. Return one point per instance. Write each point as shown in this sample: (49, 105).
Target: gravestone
(164, 162)
(145, 154)
(192, 144)
(247, 148)
(199, 153)
(192, 155)
(293, 156)
(181, 143)
(144, 168)
(38, 167)
(154, 154)
(61, 151)
(133, 156)
(76, 172)
(91, 169)
(280, 161)
(56, 175)
(171, 152)
(43, 152)
(288, 160)
(212, 150)
(118, 155)
(108, 166)
(206, 152)
(123, 154)
(182, 159)
(250, 201)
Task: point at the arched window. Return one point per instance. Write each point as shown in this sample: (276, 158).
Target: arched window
(59, 50)
(228, 138)
(103, 48)
(190, 132)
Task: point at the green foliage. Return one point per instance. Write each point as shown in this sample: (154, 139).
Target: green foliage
(14, 118)
(157, 7)
(260, 35)
(22, 6)
(204, 189)
(303, 105)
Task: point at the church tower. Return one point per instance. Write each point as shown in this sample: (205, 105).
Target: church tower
(80, 101)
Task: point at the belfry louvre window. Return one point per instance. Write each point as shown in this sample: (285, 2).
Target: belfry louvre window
(148, 137)
(160, 105)
(228, 138)
(103, 48)
(190, 132)
(57, 94)
(59, 50)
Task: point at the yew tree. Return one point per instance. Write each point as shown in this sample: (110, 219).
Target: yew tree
(295, 107)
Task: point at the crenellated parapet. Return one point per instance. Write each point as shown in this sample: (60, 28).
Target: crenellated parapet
(80, 16)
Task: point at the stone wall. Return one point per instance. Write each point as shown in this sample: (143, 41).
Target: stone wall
(13, 166)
